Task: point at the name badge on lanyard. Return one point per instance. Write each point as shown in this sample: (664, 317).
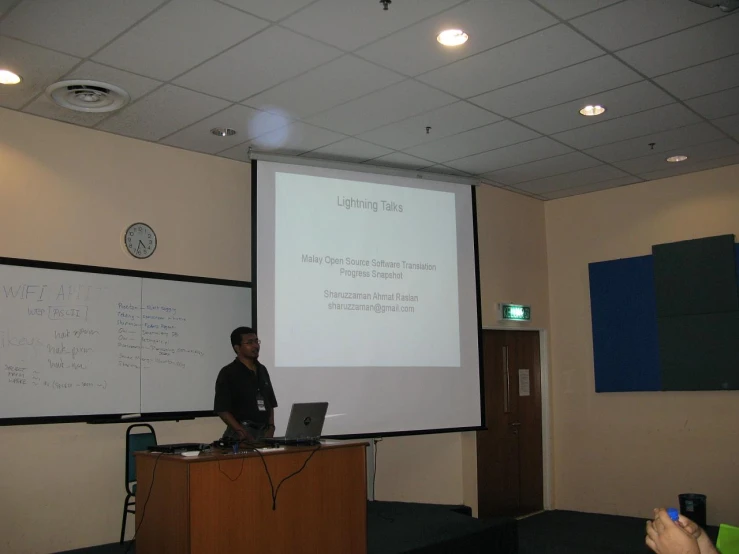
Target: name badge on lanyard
(260, 403)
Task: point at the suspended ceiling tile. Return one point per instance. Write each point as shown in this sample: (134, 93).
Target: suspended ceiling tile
(488, 26)
(178, 37)
(296, 138)
(662, 142)
(696, 153)
(729, 125)
(322, 88)
(445, 121)
(5, 5)
(590, 77)
(37, 66)
(293, 140)
(247, 123)
(472, 142)
(545, 51)
(517, 154)
(700, 166)
(718, 104)
(567, 9)
(582, 177)
(634, 21)
(391, 104)
(349, 150)
(703, 79)
(45, 107)
(619, 102)
(269, 9)
(540, 169)
(400, 160)
(135, 85)
(533, 76)
(595, 187)
(79, 28)
(161, 113)
(245, 70)
(707, 42)
(349, 25)
(445, 170)
(667, 117)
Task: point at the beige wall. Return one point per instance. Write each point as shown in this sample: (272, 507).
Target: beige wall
(513, 255)
(67, 193)
(513, 268)
(625, 453)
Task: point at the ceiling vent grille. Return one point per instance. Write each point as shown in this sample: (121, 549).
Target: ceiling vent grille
(88, 96)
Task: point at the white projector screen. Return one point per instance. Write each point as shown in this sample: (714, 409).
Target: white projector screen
(366, 297)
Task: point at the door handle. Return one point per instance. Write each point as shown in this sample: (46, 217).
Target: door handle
(507, 377)
(515, 424)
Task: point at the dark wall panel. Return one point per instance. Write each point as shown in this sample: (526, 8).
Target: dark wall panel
(700, 352)
(696, 276)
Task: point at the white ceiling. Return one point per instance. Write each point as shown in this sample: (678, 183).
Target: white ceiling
(346, 80)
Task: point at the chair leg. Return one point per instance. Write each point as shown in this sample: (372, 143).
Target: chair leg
(125, 515)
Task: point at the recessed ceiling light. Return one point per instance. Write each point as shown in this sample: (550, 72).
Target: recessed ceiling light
(675, 159)
(9, 78)
(590, 111)
(452, 37)
(222, 132)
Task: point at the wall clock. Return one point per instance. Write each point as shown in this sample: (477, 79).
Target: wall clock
(140, 240)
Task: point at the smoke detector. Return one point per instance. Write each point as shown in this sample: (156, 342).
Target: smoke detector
(88, 96)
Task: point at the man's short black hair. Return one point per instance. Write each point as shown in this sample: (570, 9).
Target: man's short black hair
(238, 334)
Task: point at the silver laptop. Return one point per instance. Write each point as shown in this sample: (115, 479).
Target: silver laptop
(304, 425)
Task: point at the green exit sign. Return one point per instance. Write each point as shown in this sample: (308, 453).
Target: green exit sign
(515, 312)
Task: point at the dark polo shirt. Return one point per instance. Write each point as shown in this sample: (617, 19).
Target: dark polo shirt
(237, 388)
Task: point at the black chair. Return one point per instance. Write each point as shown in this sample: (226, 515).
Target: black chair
(134, 443)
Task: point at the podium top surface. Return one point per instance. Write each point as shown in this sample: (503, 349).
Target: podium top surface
(228, 453)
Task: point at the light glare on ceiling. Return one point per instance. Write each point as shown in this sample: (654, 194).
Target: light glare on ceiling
(675, 159)
(452, 37)
(9, 78)
(590, 111)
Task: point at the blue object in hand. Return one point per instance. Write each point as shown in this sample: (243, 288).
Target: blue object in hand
(673, 513)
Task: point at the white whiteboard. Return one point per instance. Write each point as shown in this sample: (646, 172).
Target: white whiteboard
(78, 343)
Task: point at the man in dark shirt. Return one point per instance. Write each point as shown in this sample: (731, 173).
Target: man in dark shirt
(245, 400)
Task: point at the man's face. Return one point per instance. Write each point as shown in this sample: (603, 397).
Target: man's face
(249, 347)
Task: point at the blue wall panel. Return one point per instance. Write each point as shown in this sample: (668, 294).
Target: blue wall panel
(624, 317)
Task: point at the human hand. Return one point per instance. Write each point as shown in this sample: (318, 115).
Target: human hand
(665, 536)
(689, 525)
(704, 541)
(244, 435)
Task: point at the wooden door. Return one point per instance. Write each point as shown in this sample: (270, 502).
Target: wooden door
(509, 453)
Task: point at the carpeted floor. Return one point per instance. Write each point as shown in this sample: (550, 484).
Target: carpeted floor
(401, 527)
(563, 532)
(554, 532)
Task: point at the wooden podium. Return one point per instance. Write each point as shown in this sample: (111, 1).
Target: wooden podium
(221, 503)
